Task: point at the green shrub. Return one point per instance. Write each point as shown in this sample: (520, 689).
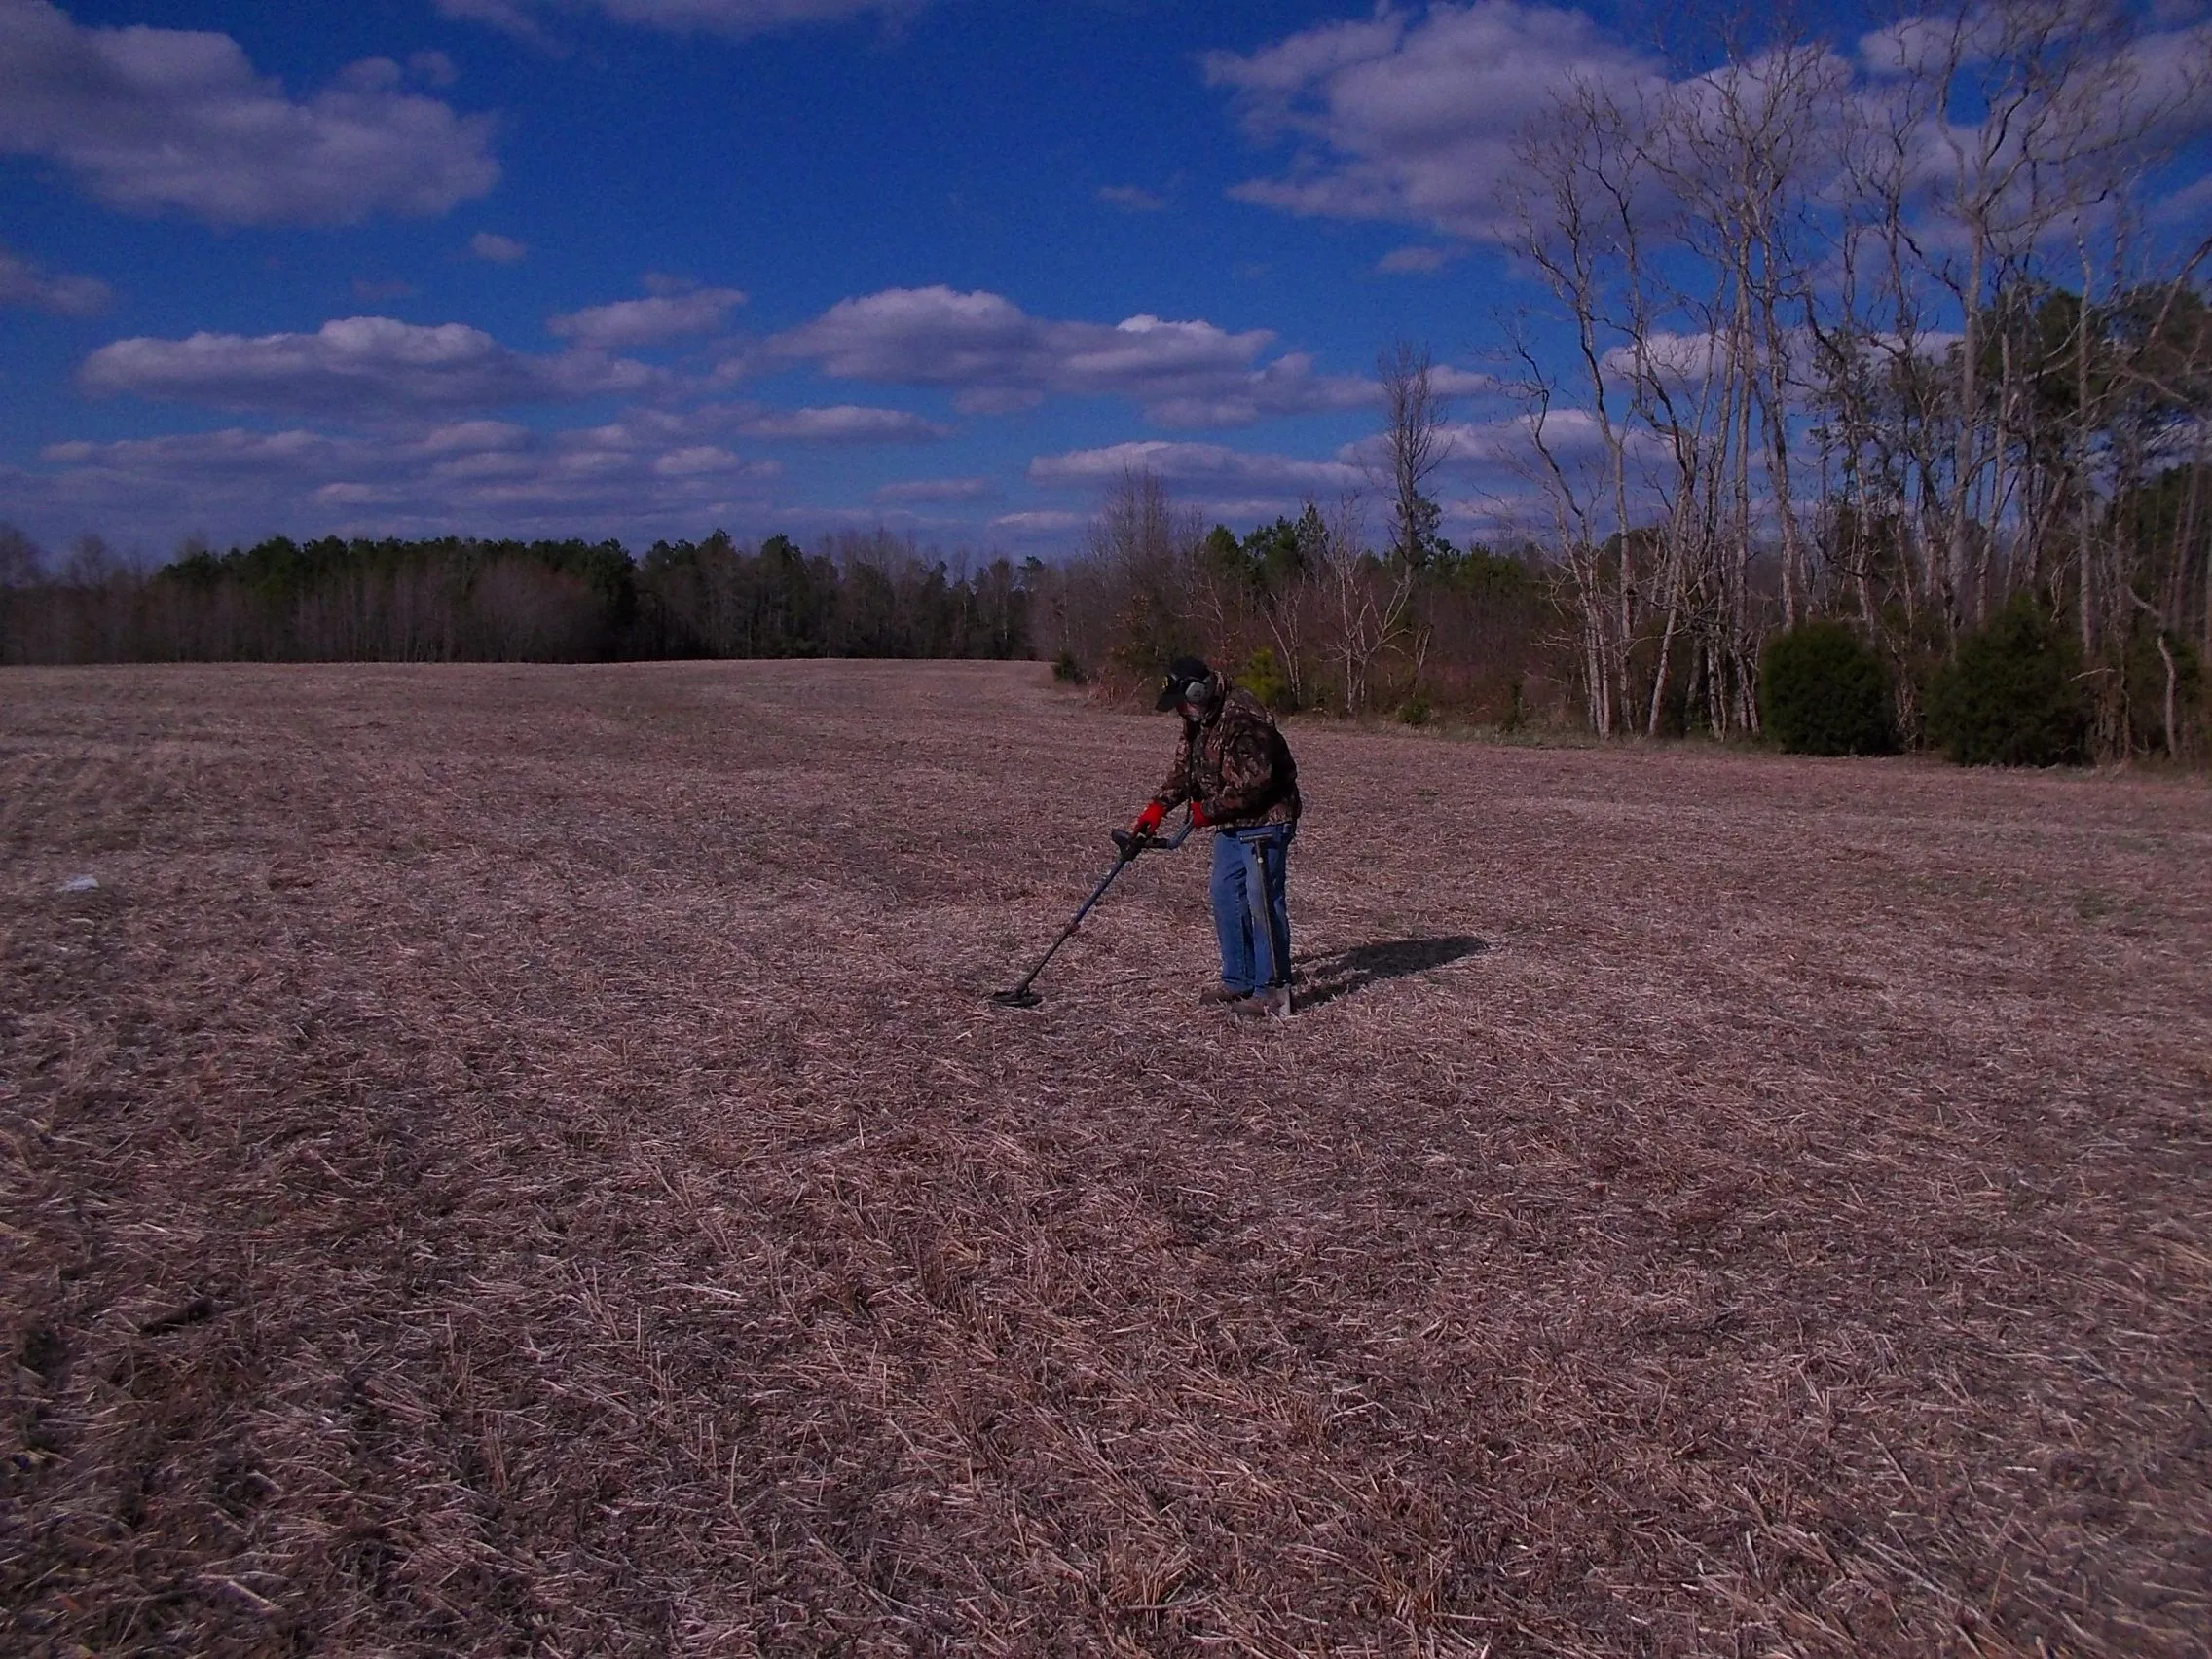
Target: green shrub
(2012, 694)
(1822, 691)
(1264, 679)
(1066, 668)
(1413, 711)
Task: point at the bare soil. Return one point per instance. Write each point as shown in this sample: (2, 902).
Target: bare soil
(519, 1161)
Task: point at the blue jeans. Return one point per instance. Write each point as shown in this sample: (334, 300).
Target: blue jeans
(1249, 910)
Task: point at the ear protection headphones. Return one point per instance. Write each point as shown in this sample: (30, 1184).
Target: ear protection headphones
(1190, 683)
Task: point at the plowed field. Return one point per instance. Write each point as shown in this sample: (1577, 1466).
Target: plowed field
(519, 1161)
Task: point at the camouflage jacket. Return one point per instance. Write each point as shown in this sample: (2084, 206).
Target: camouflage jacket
(1236, 766)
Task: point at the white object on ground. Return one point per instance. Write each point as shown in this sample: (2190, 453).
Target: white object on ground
(80, 884)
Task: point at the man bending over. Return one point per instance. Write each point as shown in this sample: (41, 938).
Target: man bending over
(1235, 769)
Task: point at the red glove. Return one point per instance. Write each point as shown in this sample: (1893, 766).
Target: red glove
(1198, 818)
(1149, 819)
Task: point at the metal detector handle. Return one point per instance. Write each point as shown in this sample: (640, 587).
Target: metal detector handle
(1131, 843)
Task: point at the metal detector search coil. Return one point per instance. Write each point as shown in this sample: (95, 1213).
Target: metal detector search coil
(1131, 846)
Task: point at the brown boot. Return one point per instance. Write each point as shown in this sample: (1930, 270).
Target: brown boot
(1270, 1003)
(1214, 996)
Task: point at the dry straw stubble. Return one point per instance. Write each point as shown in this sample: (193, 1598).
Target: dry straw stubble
(519, 1159)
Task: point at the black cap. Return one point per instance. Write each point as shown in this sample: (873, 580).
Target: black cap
(1185, 676)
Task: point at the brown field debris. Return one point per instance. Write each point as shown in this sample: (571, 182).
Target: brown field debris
(519, 1161)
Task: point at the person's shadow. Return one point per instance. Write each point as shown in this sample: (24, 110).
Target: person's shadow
(1344, 973)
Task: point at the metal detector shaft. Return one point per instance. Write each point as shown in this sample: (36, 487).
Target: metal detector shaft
(1022, 991)
(1131, 846)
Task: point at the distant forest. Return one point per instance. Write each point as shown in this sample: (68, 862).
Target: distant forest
(1306, 611)
(463, 600)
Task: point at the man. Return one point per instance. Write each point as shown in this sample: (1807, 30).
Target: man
(1235, 769)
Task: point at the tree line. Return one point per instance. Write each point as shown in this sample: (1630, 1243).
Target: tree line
(458, 599)
(1305, 613)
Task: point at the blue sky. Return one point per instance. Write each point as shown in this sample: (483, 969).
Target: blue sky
(644, 267)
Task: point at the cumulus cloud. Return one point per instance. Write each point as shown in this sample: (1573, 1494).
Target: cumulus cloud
(651, 470)
(1503, 445)
(735, 18)
(629, 323)
(1572, 435)
(910, 490)
(1046, 525)
(1208, 466)
(366, 367)
(499, 249)
(153, 120)
(1413, 121)
(24, 283)
(845, 423)
(1131, 198)
(695, 459)
(838, 424)
(232, 451)
(2191, 204)
(997, 358)
(1404, 261)
(1447, 382)
(2144, 97)
(488, 477)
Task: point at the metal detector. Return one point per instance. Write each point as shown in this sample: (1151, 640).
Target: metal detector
(1131, 845)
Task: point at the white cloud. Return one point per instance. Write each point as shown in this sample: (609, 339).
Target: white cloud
(1505, 444)
(736, 18)
(1415, 121)
(151, 120)
(1039, 524)
(473, 437)
(1574, 436)
(252, 454)
(926, 490)
(1210, 465)
(1412, 122)
(845, 423)
(711, 422)
(499, 249)
(1445, 381)
(2191, 204)
(370, 367)
(1672, 358)
(1274, 76)
(629, 323)
(1404, 261)
(999, 360)
(22, 283)
(1131, 198)
(482, 477)
(697, 460)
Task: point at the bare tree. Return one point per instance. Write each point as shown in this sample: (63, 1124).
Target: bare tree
(1367, 604)
(1414, 446)
(20, 561)
(1581, 209)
